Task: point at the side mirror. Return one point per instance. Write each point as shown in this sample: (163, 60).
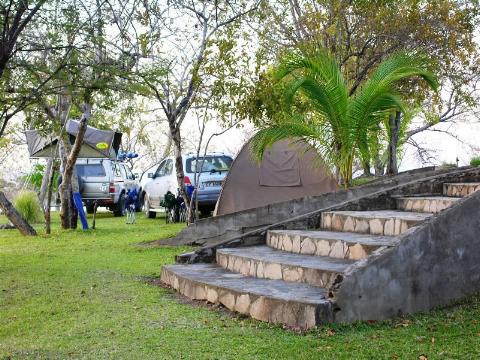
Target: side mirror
(150, 175)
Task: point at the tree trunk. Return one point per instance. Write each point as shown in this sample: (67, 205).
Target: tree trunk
(15, 218)
(379, 166)
(48, 229)
(394, 126)
(168, 148)
(45, 180)
(366, 168)
(177, 151)
(68, 213)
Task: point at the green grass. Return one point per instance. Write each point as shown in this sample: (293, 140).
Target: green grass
(83, 295)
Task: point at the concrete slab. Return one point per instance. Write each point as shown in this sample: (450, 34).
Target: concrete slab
(433, 204)
(211, 274)
(385, 214)
(266, 262)
(342, 245)
(267, 254)
(348, 237)
(378, 222)
(275, 301)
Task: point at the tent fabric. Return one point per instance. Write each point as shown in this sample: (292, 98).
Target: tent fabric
(96, 143)
(290, 169)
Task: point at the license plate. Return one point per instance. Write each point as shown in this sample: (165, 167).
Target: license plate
(212, 183)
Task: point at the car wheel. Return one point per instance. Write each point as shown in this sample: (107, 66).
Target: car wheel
(120, 207)
(140, 202)
(205, 212)
(146, 208)
(90, 208)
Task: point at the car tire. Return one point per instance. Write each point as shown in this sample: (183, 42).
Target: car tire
(90, 208)
(146, 207)
(140, 202)
(205, 212)
(119, 209)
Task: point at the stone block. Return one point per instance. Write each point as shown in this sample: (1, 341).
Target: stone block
(273, 271)
(243, 304)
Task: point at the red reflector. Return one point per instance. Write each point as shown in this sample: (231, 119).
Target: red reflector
(111, 188)
(187, 181)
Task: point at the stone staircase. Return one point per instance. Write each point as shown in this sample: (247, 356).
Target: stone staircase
(290, 279)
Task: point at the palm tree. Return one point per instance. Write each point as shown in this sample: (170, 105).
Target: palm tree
(337, 124)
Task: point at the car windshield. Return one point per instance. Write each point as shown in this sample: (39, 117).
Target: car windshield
(85, 170)
(209, 164)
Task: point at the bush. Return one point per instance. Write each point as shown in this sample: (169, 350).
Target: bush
(27, 204)
(475, 161)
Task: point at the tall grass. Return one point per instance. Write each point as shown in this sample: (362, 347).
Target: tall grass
(27, 204)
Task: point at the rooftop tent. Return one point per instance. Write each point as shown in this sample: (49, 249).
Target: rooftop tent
(96, 143)
(290, 169)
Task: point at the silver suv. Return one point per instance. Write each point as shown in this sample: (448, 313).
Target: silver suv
(106, 182)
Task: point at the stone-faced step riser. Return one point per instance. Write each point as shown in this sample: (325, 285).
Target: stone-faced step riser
(423, 205)
(460, 189)
(262, 308)
(374, 226)
(276, 271)
(320, 247)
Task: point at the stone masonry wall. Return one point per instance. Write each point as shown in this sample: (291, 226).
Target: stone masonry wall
(435, 263)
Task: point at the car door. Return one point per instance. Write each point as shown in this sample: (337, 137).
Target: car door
(158, 187)
(152, 187)
(163, 180)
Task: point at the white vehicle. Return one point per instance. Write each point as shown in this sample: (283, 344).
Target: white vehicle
(214, 168)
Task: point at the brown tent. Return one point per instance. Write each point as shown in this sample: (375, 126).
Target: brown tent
(290, 169)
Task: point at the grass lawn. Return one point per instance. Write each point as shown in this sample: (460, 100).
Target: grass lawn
(83, 294)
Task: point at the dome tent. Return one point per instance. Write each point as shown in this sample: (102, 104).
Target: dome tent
(290, 169)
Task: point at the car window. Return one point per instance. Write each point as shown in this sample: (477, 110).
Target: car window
(85, 170)
(209, 164)
(165, 168)
(160, 169)
(168, 168)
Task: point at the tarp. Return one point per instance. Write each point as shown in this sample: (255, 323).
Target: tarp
(290, 169)
(96, 143)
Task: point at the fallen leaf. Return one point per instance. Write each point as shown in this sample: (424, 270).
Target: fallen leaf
(420, 338)
(330, 332)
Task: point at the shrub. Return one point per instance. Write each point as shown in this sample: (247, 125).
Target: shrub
(27, 204)
(475, 161)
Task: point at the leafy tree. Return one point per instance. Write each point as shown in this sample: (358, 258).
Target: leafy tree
(360, 34)
(200, 65)
(319, 109)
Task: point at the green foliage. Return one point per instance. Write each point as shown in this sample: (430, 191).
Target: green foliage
(317, 106)
(26, 203)
(35, 177)
(475, 161)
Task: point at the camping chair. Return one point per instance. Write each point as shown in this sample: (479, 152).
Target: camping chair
(130, 205)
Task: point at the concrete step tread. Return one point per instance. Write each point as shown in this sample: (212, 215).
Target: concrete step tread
(212, 275)
(420, 197)
(385, 214)
(348, 237)
(463, 184)
(268, 254)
